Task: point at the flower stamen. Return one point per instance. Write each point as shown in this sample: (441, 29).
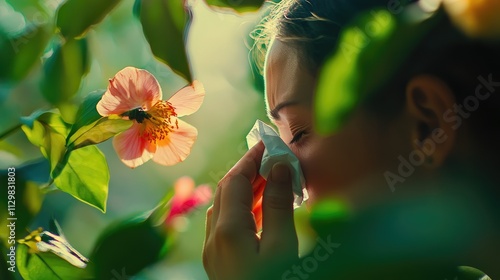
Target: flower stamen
(159, 121)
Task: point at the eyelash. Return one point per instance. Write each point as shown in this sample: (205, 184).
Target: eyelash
(296, 138)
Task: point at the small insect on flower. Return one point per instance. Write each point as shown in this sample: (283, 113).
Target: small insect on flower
(40, 241)
(137, 114)
(157, 132)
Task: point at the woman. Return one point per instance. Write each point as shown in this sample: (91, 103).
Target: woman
(415, 162)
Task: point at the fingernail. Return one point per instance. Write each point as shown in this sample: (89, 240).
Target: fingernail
(280, 173)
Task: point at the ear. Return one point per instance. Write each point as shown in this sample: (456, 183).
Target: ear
(428, 101)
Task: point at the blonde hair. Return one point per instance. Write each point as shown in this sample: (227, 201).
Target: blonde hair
(288, 21)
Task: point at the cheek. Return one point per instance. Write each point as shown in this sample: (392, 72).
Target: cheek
(316, 158)
(331, 165)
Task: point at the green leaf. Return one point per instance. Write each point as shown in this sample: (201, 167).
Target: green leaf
(240, 6)
(75, 17)
(30, 120)
(84, 174)
(48, 132)
(98, 132)
(87, 112)
(55, 122)
(130, 245)
(160, 212)
(164, 24)
(468, 272)
(31, 8)
(63, 71)
(19, 54)
(363, 62)
(92, 128)
(11, 149)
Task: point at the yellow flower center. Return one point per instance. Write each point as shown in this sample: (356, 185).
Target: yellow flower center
(159, 121)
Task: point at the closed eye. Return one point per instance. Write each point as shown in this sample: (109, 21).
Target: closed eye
(296, 138)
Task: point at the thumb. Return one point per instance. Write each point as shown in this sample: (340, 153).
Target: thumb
(277, 211)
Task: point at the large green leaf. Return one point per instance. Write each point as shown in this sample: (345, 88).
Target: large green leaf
(128, 246)
(84, 174)
(363, 62)
(20, 53)
(164, 24)
(237, 5)
(75, 17)
(63, 71)
(48, 132)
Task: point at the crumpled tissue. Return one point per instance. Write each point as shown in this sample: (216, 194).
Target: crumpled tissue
(275, 151)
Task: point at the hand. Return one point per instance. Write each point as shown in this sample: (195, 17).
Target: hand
(233, 248)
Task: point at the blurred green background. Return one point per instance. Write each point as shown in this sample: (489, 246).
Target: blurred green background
(218, 46)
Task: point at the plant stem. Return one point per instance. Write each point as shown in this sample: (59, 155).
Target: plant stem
(49, 187)
(9, 131)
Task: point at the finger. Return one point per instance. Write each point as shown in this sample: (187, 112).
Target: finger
(216, 208)
(249, 164)
(236, 225)
(277, 212)
(208, 223)
(206, 248)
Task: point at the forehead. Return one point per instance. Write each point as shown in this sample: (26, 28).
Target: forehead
(287, 77)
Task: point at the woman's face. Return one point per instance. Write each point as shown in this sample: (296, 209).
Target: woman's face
(360, 152)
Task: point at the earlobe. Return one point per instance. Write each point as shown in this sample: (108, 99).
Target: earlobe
(429, 100)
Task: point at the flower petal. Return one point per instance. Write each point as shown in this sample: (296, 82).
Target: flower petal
(183, 187)
(129, 89)
(202, 195)
(133, 149)
(177, 145)
(187, 198)
(189, 99)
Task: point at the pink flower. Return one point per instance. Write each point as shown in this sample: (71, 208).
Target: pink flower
(157, 133)
(187, 198)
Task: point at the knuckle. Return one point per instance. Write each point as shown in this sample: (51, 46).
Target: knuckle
(230, 179)
(210, 210)
(225, 232)
(222, 182)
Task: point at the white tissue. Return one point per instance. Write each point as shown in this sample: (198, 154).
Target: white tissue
(275, 151)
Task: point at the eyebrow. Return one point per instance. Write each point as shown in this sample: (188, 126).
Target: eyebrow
(274, 113)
